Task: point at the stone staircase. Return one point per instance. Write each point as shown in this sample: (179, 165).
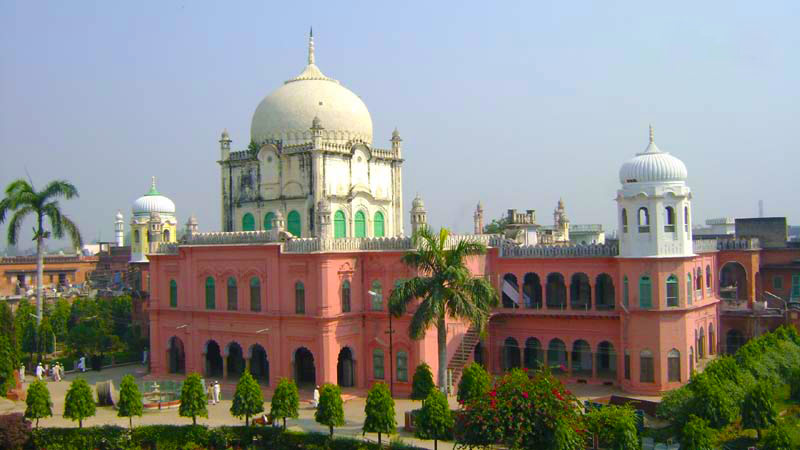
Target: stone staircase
(462, 355)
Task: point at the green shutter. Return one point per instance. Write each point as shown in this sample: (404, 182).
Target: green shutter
(210, 295)
(360, 225)
(645, 294)
(378, 226)
(795, 286)
(625, 291)
(173, 294)
(293, 223)
(248, 222)
(339, 225)
(268, 220)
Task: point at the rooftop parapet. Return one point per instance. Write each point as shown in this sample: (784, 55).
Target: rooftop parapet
(559, 251)
(713, 245)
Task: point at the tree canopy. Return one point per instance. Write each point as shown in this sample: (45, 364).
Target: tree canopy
(434, 421)
(474, 382)
(380, 411)
(285, 401)
(248, 399)
(130, 399)
(79, 403)
(330, 410)
(38, 402)
(422, 382)
(194, 401)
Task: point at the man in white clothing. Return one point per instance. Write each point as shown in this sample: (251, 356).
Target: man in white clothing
(39, 371)
(315, 402)
(217, 392)
(22, 373)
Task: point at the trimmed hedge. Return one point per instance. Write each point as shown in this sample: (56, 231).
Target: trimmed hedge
(175, 437)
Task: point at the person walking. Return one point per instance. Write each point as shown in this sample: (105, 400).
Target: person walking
(22, 373)
(315, 402)
(39, 371)
(217, 392)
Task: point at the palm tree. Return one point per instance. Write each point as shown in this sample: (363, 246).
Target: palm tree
(446, 288)
(23, 200)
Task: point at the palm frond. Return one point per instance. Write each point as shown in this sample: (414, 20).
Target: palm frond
(16, 222)
(18, 194)
(404, 293)
(423, 318)
(72, 230)
(52, 211)
(58, 189)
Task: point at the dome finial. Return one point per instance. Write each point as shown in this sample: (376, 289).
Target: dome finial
(311, 46)
(652, 135)
(153, 190)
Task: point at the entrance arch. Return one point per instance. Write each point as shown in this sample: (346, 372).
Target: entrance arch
(534, 355)
(213, 360)
(510, 354)
(606, 360)
(557, 356)
(176, 355)
(259, 363)
(581, 358)
(235, 360)
(345, 368)
(733, 281)
(304, 370)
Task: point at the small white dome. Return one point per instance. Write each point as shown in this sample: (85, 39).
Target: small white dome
(417, 203)
(119, 215)
(153, 202)
(288, 112)
(652, 165)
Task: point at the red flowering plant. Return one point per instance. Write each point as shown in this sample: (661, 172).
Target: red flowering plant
(522, 411)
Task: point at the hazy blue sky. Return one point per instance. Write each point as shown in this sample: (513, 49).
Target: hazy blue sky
(514, 104)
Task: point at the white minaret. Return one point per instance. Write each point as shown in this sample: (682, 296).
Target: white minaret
(419, 217)
(119, 229)
(654, 206)
(478, 219)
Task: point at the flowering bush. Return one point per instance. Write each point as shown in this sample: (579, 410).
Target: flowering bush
(523, 412)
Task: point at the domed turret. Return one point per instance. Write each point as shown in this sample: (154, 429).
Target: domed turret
(153, 222)
(652, 166)
(286, 112)
(153, 201)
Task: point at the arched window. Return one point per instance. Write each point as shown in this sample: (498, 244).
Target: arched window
(510, 291)
(644, 220)
(534, 355)
(299, 298)
(268, 218)
(686, 218)
(712, 342)
(625, 290)
(689, 296)
(580, 292)
(377, 364)
(645, 293)
(556, 291)
(360, 227)
(233, 294)
(532, 291)
(510, 354)
(210, 294)
(248, 222)
(698, 280)
(402, 366)
(293, 223)
(604, 292)
(674, 365)
(166, 236)
(672, 291)
(627, 364)
(646, 367)
(708, 277)
(255, 294)
(173, 294)
(376, 292)
(339, 225)
(346, 296)
(624, 220)
(377, 227)
(136, 236)
(669, 227)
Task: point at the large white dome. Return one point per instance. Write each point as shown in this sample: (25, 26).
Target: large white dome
(153, 201)
(288, 111)
(652, 165)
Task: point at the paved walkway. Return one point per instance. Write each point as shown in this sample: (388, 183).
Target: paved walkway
(219, 414)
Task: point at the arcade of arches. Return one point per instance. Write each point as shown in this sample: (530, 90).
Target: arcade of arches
(580, 361)
(554, 293)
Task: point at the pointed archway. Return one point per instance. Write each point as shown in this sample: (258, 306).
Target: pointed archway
(304, 369)
(345, 368)
(259, 364)
(213, 360)
(176, 355)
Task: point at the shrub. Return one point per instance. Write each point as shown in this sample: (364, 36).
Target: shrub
(101, 438)
(79, 403)
(422, 384)
(614, 426)
(15, 431)
(777, 438)
(712, 400)
(7, 365)
(523, 412)
(38, 402)
(794, 383)
(474, 383)
(696, 434)
(130, 399)
(434, 420)
(380, 411)
(330, 410)
(758, 410)
(248, 399)
(285, 401)
(194, 401)
(674, 406)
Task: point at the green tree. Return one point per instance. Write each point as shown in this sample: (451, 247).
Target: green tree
(712, 401)
(696, 434)
(248, 399)
(130, 400)
(777, 438)
(23, 200)
(45, 337)
(59, 318)
(422, 383)
(758, 410)
(794, 384)
(380, 411)
(29, 338)
(285, 401)
(445, 286)
(434, 421)
(474, 382)
(79, 403)
(614, 426)
(194, 401)
(8, 330)
(39, 404)
(330, 410)
(7, 366)
(497, 226)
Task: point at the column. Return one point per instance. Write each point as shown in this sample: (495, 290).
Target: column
(225, 366)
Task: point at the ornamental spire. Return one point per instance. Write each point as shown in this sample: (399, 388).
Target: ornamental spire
(311, 46)
(652, 135)
(153, 190)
